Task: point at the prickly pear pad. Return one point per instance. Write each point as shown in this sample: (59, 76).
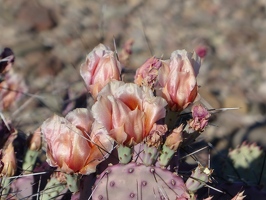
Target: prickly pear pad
(137, 181)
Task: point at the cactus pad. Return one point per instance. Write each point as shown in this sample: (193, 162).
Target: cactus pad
(247, 165)
(137, 181)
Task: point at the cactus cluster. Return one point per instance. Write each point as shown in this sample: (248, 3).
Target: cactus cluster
(129, 144)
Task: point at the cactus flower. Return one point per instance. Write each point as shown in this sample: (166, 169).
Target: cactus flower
(100, 67)
(177, 82)
(148, 72)
(200, 118)
(128, 111)
(74, 144)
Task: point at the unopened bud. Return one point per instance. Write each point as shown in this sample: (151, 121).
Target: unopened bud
(35, 141)
(175, 138)
(9, 160)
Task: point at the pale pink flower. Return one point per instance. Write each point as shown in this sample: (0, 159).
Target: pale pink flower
(177, 82)
(73, 144)
(128, 111)
(100, 67)
(200, 118)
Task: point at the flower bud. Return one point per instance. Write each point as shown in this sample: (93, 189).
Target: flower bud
(100, 67)
(177, 82)
(175, 138)
(147, 74)
(9, 160)
(35, 141)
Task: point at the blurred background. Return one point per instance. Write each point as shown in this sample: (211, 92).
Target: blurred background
(51, 39)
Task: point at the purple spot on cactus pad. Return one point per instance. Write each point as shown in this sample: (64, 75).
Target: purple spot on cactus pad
(100, 197)
(112, 183)
(144, 183)
(152, 170)
(132, 195)
(173, 182)
(130, 170)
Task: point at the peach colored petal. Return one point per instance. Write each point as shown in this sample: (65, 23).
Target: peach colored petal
(154, 110)
(102, 112)
(134, 127)
(111, 88)
(101, 148)
(119, 111)
(119, 134)
(131, 94)
(128, 111)
(102, 141)
(163, 73)
(80, 117)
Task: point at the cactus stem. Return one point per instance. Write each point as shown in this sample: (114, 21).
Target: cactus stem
(29, 160)
(124, 154)
(72, 182)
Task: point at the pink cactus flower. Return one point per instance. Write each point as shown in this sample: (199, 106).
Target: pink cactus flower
(74, 144)
(147, 74)
(177, 82)
(128, 111)
(100, 67)
(200, 118)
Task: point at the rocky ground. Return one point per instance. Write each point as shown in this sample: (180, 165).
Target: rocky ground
(52, 38)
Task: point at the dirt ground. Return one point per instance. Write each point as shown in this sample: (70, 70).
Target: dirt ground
(52, 38)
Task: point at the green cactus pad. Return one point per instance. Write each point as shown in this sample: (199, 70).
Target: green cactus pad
(124, 154)
(166, 156)
(246, 164)
(52, 189)
(137, 181)
(150, 155)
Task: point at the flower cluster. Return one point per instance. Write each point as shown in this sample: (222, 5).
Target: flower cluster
(124, 113)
